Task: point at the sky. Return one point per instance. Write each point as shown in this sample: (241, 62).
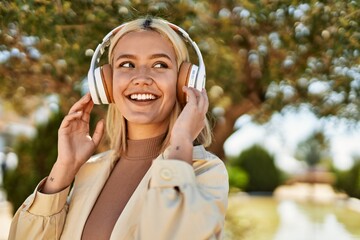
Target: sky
(282, 133)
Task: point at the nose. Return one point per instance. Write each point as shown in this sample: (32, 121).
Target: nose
(142, 77)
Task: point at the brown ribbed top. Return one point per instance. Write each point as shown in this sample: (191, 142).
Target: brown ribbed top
(121, 184)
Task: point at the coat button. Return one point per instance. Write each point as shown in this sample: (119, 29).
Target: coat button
(166, 174)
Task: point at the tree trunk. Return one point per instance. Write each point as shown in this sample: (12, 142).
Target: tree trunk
(224, 127)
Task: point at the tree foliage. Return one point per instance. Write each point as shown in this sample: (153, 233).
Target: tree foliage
(349, 180)
(313, 149)
(36, 158)
(238, 178)
(263, 175)
(260, 55)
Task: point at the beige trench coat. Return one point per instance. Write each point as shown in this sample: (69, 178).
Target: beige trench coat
(173, 201)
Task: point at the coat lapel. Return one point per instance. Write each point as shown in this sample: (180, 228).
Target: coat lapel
(85, 192)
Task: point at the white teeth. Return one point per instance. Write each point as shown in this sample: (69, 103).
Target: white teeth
(142, 96)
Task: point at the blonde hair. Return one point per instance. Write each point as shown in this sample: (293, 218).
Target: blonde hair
(116, 123)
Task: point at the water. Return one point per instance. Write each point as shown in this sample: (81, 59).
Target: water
(296, 224)
(265, 218)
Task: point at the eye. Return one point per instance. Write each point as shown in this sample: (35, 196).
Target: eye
(160, 65)
(127, 65)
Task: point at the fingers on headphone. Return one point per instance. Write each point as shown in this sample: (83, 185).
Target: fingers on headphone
(203, 101)
(70, 117)
(80, 110)
(99, 132)
(190, 91)
(84, 104)
(87, 110)
(198, 99)
(191, 97)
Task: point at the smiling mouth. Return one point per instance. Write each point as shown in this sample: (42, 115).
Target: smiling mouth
(142, 97)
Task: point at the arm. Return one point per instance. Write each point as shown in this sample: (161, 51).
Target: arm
(183, 204)
(188, 125)
(75, 145)
(42, 215)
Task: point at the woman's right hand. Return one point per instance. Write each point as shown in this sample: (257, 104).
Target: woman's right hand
(75, 145)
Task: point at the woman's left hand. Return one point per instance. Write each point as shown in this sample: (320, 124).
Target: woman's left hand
(192, 118)
(189, 123)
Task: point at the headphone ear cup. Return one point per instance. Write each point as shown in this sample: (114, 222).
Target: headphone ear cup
(92, 87)
(102, 88)
(106, 79)
(183, 80)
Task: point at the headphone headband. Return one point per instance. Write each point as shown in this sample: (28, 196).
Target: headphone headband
(97, 92)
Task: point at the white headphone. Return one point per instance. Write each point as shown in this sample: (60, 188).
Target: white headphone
(100, 77)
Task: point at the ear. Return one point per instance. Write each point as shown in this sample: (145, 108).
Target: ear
(183, 80)
(106, 77)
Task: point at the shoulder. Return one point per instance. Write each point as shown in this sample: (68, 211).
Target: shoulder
(205, 161)
(210, 172)
(200, 154)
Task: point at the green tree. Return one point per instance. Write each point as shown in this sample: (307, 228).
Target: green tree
(263, 175)
(36, 158)
(260, 55)
(238, 178)
(313, 149)
(349, 180)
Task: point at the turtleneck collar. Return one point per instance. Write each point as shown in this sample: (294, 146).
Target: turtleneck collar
(144, 149)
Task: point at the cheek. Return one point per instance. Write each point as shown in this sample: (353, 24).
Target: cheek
(117, 92)
(173, 85)
(174, 81)
(118, 82)
(169, 101)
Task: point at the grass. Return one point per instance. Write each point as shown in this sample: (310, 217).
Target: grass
(252, 218)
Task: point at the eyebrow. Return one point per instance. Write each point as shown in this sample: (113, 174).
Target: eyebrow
(154, 56)
(160, 55)
(125, 56)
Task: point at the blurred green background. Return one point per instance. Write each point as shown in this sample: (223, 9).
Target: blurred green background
(265, 60)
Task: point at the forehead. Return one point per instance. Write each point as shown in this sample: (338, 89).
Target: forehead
(144, 42)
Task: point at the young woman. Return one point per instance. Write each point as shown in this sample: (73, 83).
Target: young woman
(157, 181)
